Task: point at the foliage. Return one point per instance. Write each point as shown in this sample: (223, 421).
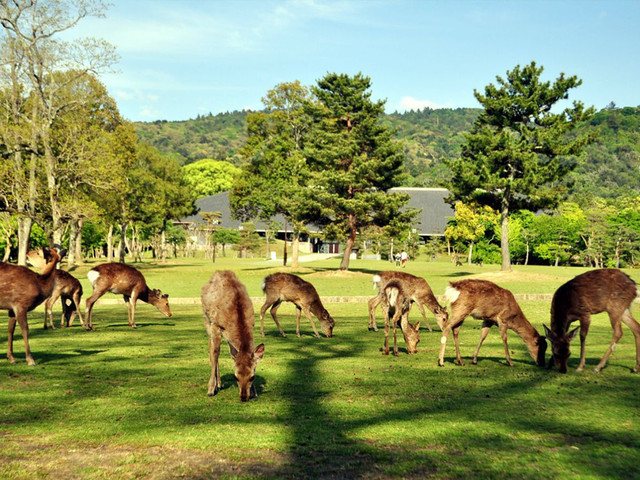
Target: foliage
(354, 160)
(207, 177)
(518, 151)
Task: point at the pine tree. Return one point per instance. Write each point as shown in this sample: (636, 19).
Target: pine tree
(353, 159)
(518, 151)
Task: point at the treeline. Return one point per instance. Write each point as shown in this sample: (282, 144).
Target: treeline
(609, 168)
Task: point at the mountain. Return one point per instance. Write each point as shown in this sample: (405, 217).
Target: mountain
(609, 168)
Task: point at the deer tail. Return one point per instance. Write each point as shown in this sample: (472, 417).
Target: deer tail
(376, 281)
(451, 294)
(392, 295)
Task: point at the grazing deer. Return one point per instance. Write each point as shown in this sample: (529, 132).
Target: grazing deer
(396, 304)
(228, 313)
(604, 290)
(285, 287)
(122, 279)
(493, 305)
(22, 290)
(416, 288)
(68, 289)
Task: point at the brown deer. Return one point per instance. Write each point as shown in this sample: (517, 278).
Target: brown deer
(285, 287)
(68, 289)
(493, 305)
(228, 313)
(122, 279)
(418, 291)
(396, 304)
(604, 290)
(22, 290)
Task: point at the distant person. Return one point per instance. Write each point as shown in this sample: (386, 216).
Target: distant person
(403, 258)
(396, 257)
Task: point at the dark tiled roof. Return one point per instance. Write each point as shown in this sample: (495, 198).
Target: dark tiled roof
(432, 220)
(435, 211)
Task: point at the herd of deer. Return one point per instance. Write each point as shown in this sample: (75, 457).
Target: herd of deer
(228, 311)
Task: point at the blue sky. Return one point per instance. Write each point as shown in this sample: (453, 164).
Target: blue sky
(182, 58)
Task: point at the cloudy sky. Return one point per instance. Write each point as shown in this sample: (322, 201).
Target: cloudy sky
(183, 58)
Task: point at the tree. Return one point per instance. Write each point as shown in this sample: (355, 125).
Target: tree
(469, 224)
(276, 178)
(353, 158)
(208, 177)
(519, 150)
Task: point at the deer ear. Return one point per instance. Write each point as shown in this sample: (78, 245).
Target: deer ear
(572, 334)
(259, 352)
(416, 326)
(233, 351)
(548, 333)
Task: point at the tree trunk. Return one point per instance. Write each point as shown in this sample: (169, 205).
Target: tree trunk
(73, 233)
(163, 243)
(391, 251)
(52, 185)
(470, 255)
(110, 244)
(78, 245)
(24, 232)
(344, 265)
(123, 237)
(295, 249)
(526, 258)
(504, 237)
(284, 252)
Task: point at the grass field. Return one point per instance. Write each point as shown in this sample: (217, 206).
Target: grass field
(120, 403)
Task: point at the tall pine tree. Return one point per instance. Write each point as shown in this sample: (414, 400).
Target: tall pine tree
(518, 151)
(353, 159)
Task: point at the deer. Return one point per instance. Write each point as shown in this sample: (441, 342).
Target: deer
(22, 290)
(285, 287)
(396, 304)
(228, 313)
(603, 290)
(68, 289)
(494, 305)
(122, 279)
(418, 291)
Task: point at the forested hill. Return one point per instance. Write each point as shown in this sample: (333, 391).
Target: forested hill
(610, 168)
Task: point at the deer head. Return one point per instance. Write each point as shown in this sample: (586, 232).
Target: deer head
(245, 366)
(442, 317)
(160, 301)
(560, 347)
(327, 323)
(411, 336)
(542, 350)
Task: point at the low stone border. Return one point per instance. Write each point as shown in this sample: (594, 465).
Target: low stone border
(328, 299)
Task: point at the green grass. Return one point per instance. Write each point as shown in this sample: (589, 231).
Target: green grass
(122, 403)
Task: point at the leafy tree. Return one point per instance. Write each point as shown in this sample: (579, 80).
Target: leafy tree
(518, 150)
(208, 177)
(469, 225)
(226, 236)
(276, 177)
(354, 160)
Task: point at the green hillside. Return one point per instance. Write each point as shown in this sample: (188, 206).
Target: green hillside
(610, 168)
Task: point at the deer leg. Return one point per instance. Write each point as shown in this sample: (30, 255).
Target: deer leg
(263, 310)
(503, 333)
(215, 383)
(395, 328)
(617, 334)
(443, 343)
(456, 342)
(424, 315)
(24, 327)
(12, 328)
(313, 324)
(76, 303)
(373, 304)
(48, 311)
(88, 313)
(132, 301)
(483, 335)
(584, 330)
(385, 347)
(631, 322)
(274, 311)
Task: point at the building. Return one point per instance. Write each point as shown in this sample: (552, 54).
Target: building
(432, 220)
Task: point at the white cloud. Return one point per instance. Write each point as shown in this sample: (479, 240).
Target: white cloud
(410, 103)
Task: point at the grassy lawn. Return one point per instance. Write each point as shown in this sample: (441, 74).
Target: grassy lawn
(119, 404)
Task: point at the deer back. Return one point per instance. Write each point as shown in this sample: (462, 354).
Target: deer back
(118, 278)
